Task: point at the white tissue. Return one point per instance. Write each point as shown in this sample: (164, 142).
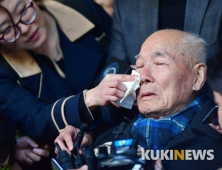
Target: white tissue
(128, 99)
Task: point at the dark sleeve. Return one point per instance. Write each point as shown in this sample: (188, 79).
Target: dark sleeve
(85, 115)
(117, 47)
(37, 118)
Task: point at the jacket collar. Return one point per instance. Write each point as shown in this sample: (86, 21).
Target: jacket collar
(23, 63)
(69, 20)
(197, 125)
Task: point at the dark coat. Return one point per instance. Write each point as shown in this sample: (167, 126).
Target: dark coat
(196, 136)
(135, 20)
(35, 98)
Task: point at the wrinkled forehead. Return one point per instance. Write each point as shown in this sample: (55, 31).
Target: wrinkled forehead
(164, 47)
(160, 47)
(163, 39)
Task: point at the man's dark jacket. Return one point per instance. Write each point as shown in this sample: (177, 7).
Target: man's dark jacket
(135, 20)
(197, 136)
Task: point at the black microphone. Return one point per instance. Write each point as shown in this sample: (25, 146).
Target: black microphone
(113, 66)
(77, 143)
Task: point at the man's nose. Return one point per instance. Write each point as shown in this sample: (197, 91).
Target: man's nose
(24, 28)
(146, 76)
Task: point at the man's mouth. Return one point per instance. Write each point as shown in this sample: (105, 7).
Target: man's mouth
(148, 95)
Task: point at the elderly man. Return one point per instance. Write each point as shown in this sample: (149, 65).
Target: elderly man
(172, 69)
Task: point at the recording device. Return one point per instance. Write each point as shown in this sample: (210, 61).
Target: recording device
(64, 161)
(120, 155)
(117, 155)
(212, 116)
(113, 66)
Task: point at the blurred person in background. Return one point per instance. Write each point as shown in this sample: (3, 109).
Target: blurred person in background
(16, 154)
(7, 145)
(134, 21)
(214, 75)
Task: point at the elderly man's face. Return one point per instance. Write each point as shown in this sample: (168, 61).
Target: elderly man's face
(166, 77)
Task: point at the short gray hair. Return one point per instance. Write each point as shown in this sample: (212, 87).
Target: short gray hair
(194, 48)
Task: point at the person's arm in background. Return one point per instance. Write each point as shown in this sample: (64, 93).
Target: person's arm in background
(117, 47)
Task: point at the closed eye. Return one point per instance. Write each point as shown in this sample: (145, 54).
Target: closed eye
(157, 63)
(139, 68)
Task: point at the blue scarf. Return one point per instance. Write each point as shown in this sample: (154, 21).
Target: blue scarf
(157, 133)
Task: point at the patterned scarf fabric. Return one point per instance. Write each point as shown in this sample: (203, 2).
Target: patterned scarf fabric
(157, 133)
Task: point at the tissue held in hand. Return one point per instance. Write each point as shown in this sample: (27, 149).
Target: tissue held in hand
(128, 99)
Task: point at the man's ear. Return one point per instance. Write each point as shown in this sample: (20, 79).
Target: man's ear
(200, 76)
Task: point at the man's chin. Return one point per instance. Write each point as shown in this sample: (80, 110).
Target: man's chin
(151, 112)
(154, 115)
(147, 112)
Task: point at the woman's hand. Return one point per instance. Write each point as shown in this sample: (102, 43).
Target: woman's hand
(109, 90)
(29, 152)
(67, 137)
